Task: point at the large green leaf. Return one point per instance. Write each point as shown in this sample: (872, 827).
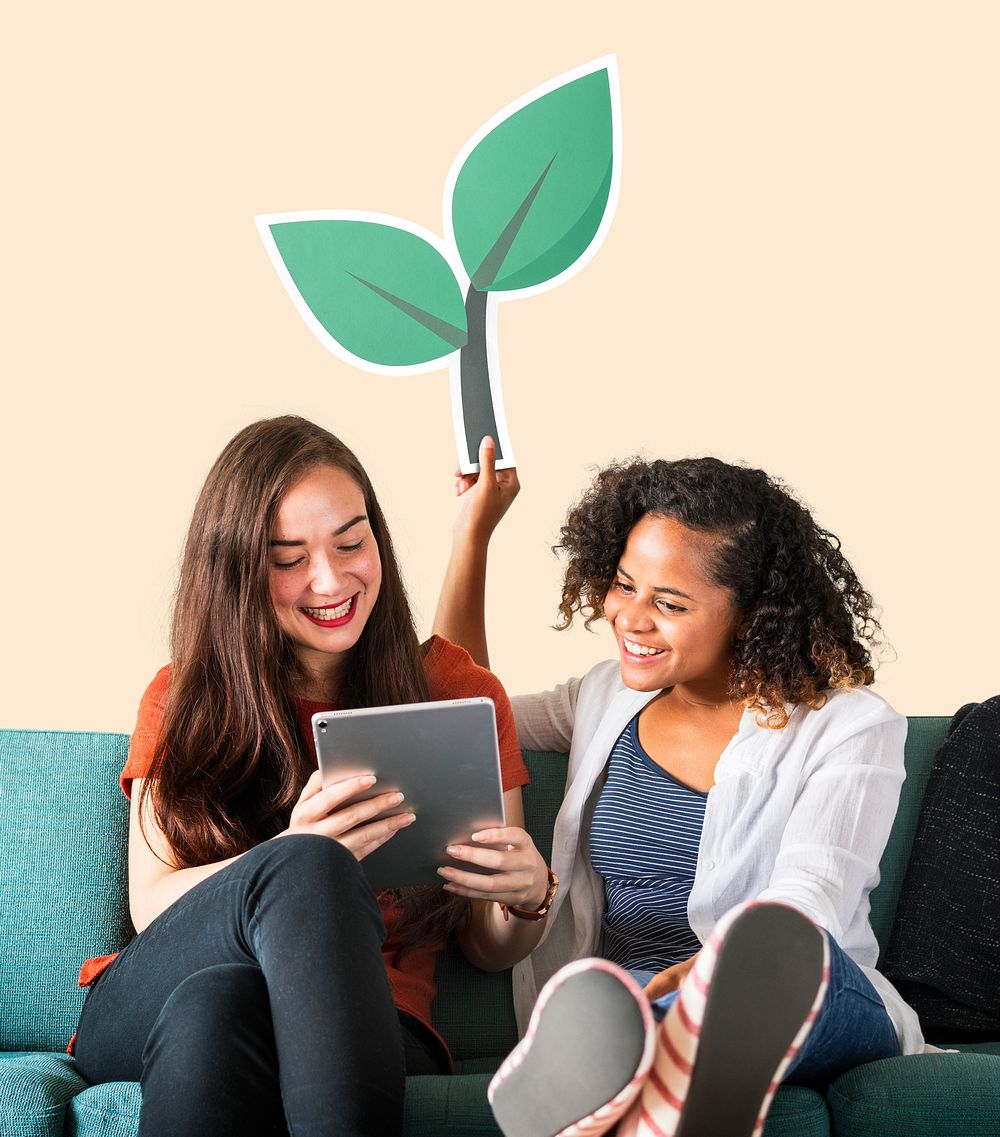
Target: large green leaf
(383, 293)
(530, 196)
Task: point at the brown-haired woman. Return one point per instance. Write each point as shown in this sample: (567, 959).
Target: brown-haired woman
(259, 996)
(732, 784)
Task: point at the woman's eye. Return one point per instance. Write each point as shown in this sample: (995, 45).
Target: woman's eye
(286, 564)
(671, 608)
(623, 586)
(351, 548)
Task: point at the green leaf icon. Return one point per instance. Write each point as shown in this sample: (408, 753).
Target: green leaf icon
(530, 196)
(380, 291)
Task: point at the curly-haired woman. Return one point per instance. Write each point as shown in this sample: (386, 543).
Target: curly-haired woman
(732, 784)
(269, 990)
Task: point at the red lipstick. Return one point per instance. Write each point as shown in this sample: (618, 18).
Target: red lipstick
(340, 621)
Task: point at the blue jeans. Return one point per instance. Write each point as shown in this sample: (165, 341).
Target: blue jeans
(853, 1026)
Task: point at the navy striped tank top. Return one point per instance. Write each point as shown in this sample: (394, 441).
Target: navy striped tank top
(644, 841)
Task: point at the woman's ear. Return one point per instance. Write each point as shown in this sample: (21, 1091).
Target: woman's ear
(742, 627)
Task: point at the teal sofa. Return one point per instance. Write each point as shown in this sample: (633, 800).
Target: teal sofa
(63, 898)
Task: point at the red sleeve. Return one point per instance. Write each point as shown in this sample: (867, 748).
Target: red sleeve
(452, 674)
(147, 731)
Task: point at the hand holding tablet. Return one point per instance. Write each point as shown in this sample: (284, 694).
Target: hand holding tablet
(442, 757)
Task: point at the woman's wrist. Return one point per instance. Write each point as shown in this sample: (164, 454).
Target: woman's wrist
(538, 911)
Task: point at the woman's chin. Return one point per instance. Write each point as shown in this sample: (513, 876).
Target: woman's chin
(640, 678)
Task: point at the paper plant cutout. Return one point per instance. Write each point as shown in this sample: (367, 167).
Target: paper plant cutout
(527, 203)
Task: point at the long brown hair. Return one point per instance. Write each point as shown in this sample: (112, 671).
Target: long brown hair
(231, 760)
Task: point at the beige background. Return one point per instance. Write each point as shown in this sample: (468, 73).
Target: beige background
(802, 274)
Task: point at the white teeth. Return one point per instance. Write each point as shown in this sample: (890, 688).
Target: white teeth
(641, 649)
(329, 613)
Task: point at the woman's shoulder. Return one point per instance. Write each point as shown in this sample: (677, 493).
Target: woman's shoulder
(847, 713)
(858, 705)
(153, 698)
(159, 684)
(146, 733)
(453, 674)
(604, 678)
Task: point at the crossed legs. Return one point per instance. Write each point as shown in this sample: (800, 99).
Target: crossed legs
(256, 1003)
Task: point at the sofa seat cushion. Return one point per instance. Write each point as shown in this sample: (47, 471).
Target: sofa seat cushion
(34, 1090)
(108, 1110)
(922, 1095)
(434, 1106)
(797, 1112)
(973, 1047)
(41, 1090)
(457, 1107)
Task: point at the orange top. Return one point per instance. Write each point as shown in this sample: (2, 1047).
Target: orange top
(451, 674)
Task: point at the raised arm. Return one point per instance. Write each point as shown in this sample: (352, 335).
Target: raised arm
(486, 497)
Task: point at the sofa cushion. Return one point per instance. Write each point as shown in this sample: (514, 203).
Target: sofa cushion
(923, 737)
(34, 1090)
(923, 1095)
(797, 1112)
(62, 865)
(434, 1106)
(458, 1107)
(108, 1110)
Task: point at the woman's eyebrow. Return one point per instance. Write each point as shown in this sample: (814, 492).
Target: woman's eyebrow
(664, 588)
(336, 533)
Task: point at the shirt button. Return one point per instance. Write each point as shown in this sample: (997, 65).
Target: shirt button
(710, 865)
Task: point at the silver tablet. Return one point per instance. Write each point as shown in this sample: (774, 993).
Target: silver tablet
(443, 756)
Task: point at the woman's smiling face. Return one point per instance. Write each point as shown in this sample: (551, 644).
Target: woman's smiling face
(674, 626)
(325, 569)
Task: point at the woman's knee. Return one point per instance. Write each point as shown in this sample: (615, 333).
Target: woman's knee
(302, 875)
(307, 857)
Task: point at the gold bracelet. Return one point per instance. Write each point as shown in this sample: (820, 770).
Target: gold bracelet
(538, 913)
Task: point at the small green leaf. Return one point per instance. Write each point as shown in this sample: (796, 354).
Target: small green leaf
(529, 198)
(383, 293)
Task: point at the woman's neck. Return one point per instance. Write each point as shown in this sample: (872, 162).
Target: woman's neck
(317, 681)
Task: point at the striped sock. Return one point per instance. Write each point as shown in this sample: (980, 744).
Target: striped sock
(658, 1111)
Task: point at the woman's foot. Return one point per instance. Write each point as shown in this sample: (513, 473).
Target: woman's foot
(741, 1016)
(587, 1051)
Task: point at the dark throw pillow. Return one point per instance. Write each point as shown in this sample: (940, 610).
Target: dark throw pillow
(944, 951)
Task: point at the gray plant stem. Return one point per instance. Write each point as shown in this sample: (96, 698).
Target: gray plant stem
(478, 411)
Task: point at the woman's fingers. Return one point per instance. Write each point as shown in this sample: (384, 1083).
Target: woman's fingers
(662, 984)
(343, 820)
(488, 460)
(503, 835)
(322, 799)
(358, 825)
(484, 886)
(327, 805)
(312, 787)
(519, 875)
(486, 495)
(365, 839)
(669, 980)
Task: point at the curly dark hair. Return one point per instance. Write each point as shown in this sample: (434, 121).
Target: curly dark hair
(807, 624)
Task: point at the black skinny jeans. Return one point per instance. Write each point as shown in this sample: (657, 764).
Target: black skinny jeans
(258, 1003)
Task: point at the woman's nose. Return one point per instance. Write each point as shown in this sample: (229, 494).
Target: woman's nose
(634, 616)
(324, 579)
